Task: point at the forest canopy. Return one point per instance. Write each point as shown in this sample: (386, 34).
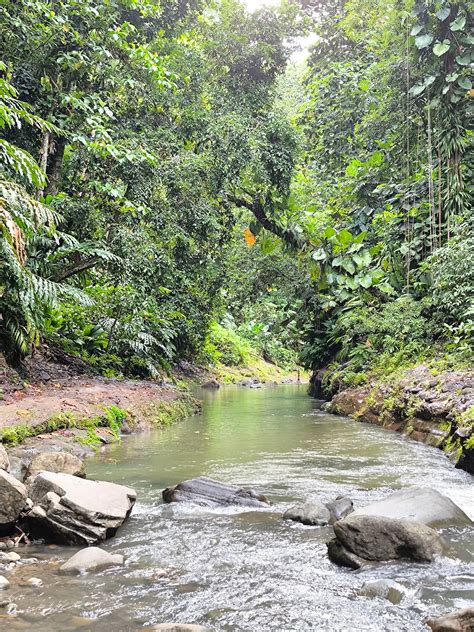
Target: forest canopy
(176, 184)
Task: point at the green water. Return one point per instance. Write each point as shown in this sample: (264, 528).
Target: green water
(230, 569)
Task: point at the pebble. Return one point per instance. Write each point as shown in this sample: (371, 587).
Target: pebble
(34, 581)
(4, 583)
(11, 608)
(9, 557)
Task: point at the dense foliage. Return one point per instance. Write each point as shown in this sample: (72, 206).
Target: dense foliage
(172, 186)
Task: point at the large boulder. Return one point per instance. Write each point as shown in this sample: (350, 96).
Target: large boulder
(377, 539)
(420, 504)
(209, 492)
(73, 510)
(57, 462)
(90, 559)
(383, 588)
(311, 512)
(13, 499)
(4, 460)
(342, 556)
(457, 621)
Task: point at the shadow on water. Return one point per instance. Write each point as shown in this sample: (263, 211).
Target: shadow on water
(230, 569)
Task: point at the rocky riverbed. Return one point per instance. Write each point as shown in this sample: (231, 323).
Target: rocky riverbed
(52, 501)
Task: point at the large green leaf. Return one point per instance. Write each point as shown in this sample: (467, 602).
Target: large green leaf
(344, 237)
(423, 41)
(443, 13)
(458, 24)
(348, 266)
(465, 83)
(440, 48)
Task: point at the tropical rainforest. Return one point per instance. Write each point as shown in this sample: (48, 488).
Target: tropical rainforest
(199, 181)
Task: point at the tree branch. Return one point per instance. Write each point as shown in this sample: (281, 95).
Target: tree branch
(258, 210)
(82, 266)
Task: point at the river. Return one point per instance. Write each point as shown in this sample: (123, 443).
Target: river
(237, 570)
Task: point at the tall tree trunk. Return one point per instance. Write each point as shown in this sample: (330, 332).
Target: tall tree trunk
(43, 158)
(55, 166)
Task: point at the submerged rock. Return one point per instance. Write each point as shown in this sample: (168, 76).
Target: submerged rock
(4, 583)
(90, 559)
(4, 460)
(420, 504)
(73, 510)
(57, 462)
(13, 499)
(209, 492)
(457, 621)
(36, 582)
(211, 384)
(312, 512)
(248, 381)
(384, 588)
(377, 539)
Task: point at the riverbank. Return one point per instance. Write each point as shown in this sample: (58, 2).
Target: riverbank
(433, 407)
(56, 406)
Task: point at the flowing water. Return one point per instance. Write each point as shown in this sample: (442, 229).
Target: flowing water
(235, 569)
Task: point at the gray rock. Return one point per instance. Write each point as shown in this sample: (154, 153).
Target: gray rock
(57, 462)
(90, 559)
(4, 460)
(342, 556)
(312, 512)
(457, 621)
(208, 493)
(73, 510)
(384, 588)
(18, 468)
(376, 538)
(340, 508)
(211, 384)
(9, 557)
(248, 381)
(36, 582)
(4, 583)
(12, 500)
(420, 504)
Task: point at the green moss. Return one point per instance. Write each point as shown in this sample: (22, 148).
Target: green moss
(453, 448)
(168, 413)
(412, 406)
(112, 418)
